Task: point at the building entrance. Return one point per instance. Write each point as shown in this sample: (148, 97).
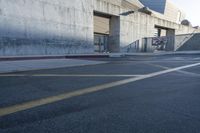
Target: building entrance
(164, 40)
(106, 33)
(101, 43)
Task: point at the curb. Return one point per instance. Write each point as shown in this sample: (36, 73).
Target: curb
(162, 54)
(18, 58)
(86, 56)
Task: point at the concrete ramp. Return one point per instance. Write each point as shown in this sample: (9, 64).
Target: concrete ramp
(192, 44)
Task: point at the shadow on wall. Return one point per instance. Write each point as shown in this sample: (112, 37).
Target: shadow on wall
(12, 46)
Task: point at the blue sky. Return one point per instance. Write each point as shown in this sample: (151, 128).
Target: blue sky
(191, 8)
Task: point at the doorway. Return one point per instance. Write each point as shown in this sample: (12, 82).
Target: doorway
(106, 33)
(101, 43)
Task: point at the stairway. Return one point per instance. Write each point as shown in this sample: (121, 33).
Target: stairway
(191, 44)
(133, 47)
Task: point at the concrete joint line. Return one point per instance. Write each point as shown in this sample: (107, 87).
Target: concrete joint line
(44, 101)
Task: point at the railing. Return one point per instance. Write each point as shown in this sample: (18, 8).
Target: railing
(133, 47)
(188, 37)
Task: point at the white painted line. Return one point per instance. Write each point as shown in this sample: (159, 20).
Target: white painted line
(189, 73)
(44, 101)
(180, 71)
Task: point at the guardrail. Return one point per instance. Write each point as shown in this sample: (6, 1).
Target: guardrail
(133, 47)
(185, 39)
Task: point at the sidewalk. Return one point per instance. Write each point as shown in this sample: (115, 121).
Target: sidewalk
(95, 55)
(163, 53)
(27, 65)
(41, 57)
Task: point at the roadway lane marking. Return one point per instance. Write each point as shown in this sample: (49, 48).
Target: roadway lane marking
(180, 71)
(65, 75)
(12, 75)
(48, 100)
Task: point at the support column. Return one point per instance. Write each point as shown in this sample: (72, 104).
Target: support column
(114, 38)
(170, 46)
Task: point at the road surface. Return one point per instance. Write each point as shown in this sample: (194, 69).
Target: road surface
(144, 94)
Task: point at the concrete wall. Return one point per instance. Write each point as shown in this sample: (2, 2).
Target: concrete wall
(111, 7)
(139, 25)
(135, 27)
(30, 27)
(173, 13)
(43, 27)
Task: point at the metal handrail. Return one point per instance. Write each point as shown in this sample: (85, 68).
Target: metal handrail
(186, 39)
(132, 45)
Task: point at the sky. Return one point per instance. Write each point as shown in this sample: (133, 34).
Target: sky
(191, 8)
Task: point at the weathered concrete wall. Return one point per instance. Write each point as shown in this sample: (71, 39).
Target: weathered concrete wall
(135, 27)
(111, 7)
(46, 27)
(38, 27)
(139, 25)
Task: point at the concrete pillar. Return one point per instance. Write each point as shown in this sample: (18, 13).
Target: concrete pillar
(170, 46)
(114, 37)
(147, 45)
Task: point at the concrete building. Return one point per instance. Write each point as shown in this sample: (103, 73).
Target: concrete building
(44, 27)
(158, 5)
(165, 7)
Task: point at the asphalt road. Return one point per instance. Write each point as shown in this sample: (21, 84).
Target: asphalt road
(157, 94)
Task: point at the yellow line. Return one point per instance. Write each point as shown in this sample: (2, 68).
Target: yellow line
(78, 75)
(32, 104)
(12, 75)
(65, 75)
